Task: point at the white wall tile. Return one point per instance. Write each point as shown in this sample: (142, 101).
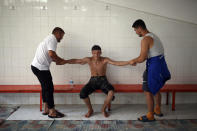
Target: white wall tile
(22, 29)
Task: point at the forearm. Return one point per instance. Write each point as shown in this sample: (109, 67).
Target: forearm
(139, 60)
(120, 63)
(57, 59)
(74, 61)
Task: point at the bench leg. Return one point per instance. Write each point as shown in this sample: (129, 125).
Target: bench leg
(167, 96)
(173, 100)
(40, 101)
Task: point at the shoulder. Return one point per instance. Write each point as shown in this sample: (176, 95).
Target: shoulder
(87, 58)
(51, 39)
(147, 38)
(105, 59)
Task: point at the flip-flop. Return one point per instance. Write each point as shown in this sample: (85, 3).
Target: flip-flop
(56, 116)
(45, 113)
(160, 115)
(145, 119)
(59, 113)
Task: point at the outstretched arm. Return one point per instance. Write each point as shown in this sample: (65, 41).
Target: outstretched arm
(56, 58)
(78, 61)
(117, 63)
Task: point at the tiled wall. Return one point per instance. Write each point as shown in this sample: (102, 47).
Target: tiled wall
(25, 23)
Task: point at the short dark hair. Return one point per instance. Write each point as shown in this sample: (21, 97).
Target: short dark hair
(58, 29)
(139, 23)
(96, 47)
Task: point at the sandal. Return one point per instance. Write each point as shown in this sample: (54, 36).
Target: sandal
(45, 113)
(56, 116)
(59, 113)
(145, 119)
(160, 115)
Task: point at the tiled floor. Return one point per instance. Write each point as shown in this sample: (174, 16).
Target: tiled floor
(123, 118)
(119, 112)
(7, 110)
(98, 125)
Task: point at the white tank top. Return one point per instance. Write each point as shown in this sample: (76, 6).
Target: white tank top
(157, 48)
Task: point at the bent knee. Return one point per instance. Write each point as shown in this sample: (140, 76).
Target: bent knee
(83, 95)
(111, 92)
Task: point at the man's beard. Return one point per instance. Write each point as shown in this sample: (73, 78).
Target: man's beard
(140, 35)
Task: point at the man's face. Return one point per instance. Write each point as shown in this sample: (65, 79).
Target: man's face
(96, 53)
(59, 36)
(138, 31)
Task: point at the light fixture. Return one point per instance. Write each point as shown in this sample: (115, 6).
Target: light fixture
(12, 7)
(43, 1)
(107, 7)
(43, 7)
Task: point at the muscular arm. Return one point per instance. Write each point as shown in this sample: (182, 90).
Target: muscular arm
(79, 61)
(117, 63)
(144, 51)
(56, 58)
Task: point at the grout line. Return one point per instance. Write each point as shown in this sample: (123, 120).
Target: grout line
(51, 124)
(14, 110)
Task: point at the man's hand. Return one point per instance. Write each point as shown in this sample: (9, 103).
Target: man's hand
(132, 62)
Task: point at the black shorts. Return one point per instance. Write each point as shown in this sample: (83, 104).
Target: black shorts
(145, 81)
(96, 83)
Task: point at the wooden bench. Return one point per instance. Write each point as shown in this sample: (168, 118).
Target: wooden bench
(119, 88)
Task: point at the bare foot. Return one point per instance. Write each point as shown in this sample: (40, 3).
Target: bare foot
(105, 114)
(90, 112)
